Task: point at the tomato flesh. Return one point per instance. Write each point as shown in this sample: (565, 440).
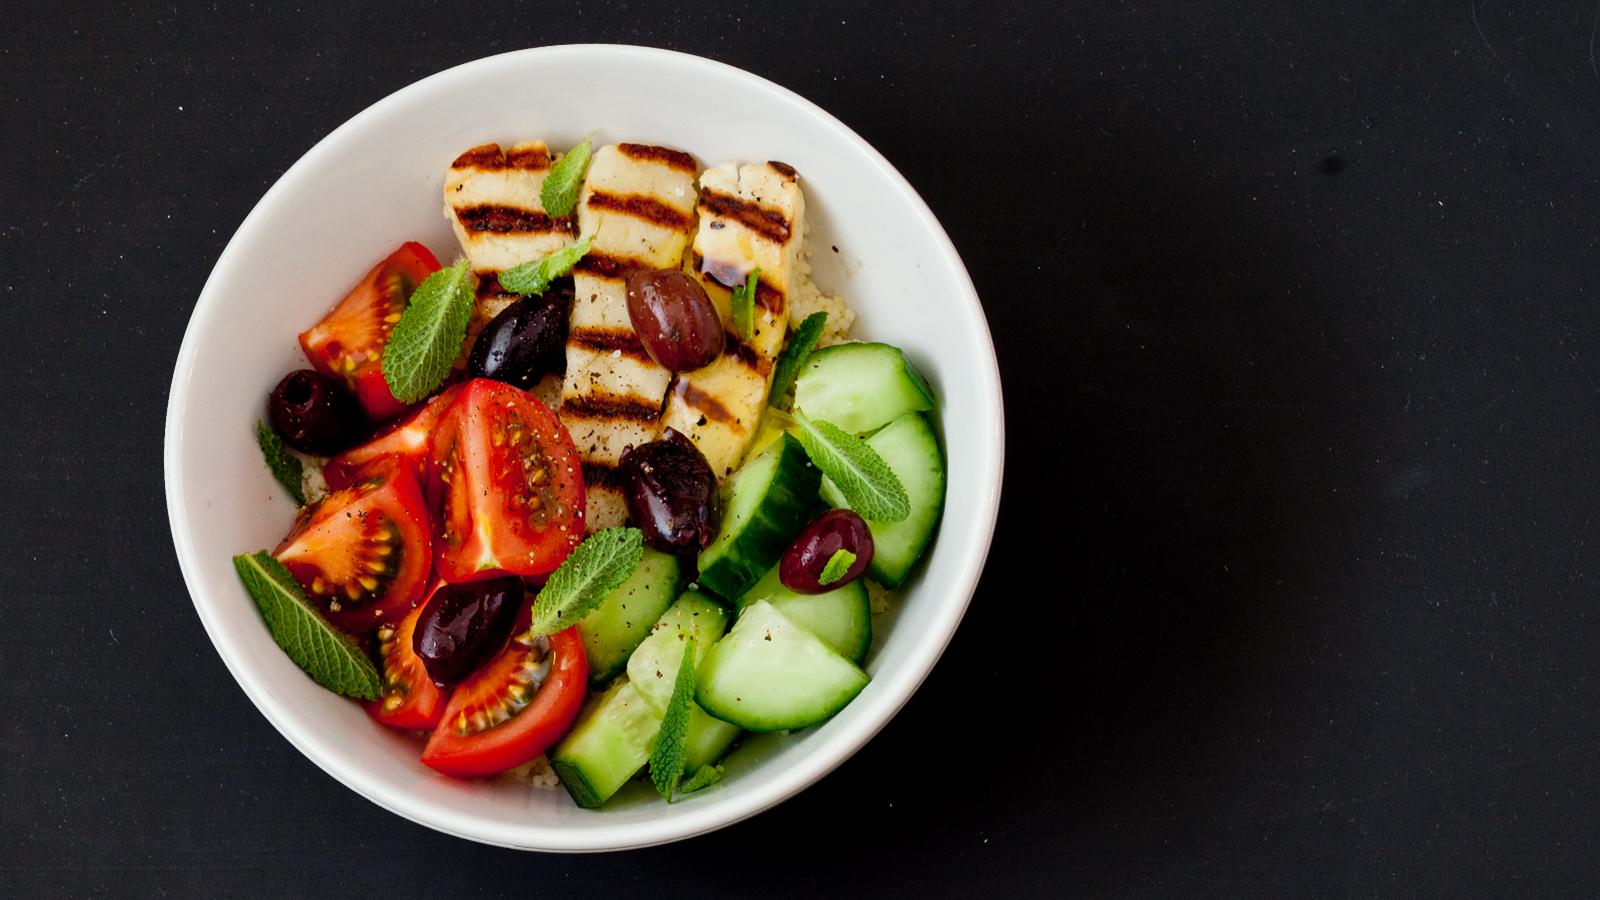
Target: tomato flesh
(505, 485)
(348, 343)
(513, 708)
(408, 698)
(362, 553)
(406, 440)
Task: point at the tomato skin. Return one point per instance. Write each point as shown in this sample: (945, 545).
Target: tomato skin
(504, 485)
(406, 440)
(377, 529)
(528, 733)
(348, 342)
(409, 699)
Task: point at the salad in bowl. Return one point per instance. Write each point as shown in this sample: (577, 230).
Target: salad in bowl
(611, 491)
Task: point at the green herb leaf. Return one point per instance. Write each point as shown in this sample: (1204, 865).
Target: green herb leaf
(285, 466)
(534, 276)
(559, 194)
(705, 777)
(867, 482)
(428, 337)
(666, 755)
(801, 343)
(743, 306)
(327, 654)
(602, 562)
(836, 567)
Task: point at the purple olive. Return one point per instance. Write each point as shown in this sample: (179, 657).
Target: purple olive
(802, 564)
(669, 488)
(313, 413)
(464, 625)
(525, 341)
(674, 318)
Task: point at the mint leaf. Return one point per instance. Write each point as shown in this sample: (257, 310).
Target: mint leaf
(743, 306)
(666, 754)
(428, 337)
(559, 193)
(838, 564)
(325, 653)
(801, 343)
(705, 777)
(534, 276)
(867, 482)
(602, 562)
(285, 466)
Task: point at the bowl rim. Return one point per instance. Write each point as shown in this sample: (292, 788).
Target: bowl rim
(689, 822)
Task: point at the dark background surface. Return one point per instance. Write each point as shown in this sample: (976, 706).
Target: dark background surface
(1292, 591)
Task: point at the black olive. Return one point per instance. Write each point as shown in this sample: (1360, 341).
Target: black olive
(526, 341)
(464, 625)
(669, 489)
(313, 413)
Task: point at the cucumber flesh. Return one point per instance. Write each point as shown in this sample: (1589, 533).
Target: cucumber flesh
(911, 449)
(608, 745)
(769, 674)
(764, 505)
(694, 621)
(860, 386)
(623, 619)
(841, 618)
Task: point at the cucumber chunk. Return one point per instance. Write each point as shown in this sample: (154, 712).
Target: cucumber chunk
(764, 505)
(841, 618)
(860, 386)
(623, 620)
(698, 621)
(769, 674)
(911, 449)
(608, 745)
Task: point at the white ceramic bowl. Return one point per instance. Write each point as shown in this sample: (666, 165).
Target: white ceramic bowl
(375, 182)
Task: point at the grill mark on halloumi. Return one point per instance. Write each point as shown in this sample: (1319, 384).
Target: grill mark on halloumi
(602, 406)
(770, 223)
(608, 340)
(531, 157)
(666, 156)
(732, 276)
(709, 407)
(640, 207)
(510, 220)
(605, 265)
(745, 355)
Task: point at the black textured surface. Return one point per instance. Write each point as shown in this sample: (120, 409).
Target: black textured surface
(1291, 595)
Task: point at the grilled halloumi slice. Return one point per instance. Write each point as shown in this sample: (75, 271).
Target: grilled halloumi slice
(751, 216)
(491, 197)
(637, 206)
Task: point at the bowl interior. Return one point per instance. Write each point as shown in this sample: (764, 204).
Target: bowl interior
(376, 182)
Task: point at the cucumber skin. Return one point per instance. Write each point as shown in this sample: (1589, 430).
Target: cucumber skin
(578, 787)
(891, 563)
(609, 638)
(569, 756)
(777, 519)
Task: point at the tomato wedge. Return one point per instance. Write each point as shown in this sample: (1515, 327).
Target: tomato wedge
(348, 343)
(405, 440)
(362, 553)
(505, 485)
(513, 708)
(409, 698)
